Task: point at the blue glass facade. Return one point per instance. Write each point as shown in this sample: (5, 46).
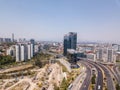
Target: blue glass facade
(70, 42)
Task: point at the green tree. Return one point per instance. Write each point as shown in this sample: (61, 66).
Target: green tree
(64, 85)
(117, 87)
(93, 79)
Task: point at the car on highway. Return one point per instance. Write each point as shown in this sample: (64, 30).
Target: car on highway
(99, 87)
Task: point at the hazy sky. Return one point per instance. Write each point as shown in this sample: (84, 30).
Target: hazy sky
(51, 19)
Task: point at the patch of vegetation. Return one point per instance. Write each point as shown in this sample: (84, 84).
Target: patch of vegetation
(42, 59)
(64, 85)
(117, 60)
(106, 88)
(6, 60)
(92, 86)
(70, 77)
(93, 80)
(117, 87)
(39, 84)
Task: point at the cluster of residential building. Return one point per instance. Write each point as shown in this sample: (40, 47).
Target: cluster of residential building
(23, 51)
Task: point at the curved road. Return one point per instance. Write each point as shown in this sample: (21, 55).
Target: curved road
(110, 84)
(87, 81)
(99, 83)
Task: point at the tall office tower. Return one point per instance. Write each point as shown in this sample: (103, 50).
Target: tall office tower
(32, 50)
(70, 42)
(66, 44)
(73, 40)
(22, 48)
(12, 37)
(29, 51)
(110, 56)
(33, 42)
(18, 54)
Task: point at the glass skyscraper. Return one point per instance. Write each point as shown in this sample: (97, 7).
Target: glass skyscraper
(70, 42)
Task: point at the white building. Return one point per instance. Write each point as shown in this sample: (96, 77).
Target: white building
(11, 51)
(29, 51)
(18, 54)
(22, 48)
(24, 52)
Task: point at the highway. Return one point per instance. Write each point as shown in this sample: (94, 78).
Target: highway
(108, 74)
(87, 81)
(109, 79)
(99, 83)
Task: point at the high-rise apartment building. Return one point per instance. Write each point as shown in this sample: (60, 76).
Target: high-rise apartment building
(11, 51)
(32, 41)
(24, 52)
(18, 54)
(22, 48)
(29, 51)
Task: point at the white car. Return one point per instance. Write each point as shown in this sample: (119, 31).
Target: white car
(99, 87)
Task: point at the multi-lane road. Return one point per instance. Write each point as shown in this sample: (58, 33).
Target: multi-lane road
(109, 78)
(104, 75)
(102, 70)
(99, 83)
(87, 81)
(108, 74)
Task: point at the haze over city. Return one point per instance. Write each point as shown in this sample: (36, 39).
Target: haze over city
(93, 20)
(59, 44)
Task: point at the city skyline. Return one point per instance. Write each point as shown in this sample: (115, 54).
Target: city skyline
(41, 20)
